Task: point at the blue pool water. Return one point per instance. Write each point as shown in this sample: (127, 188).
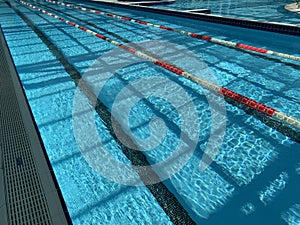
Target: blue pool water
(254, 178)
(266, 10)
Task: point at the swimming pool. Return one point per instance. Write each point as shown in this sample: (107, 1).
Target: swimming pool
(254, 178)
(267, 10)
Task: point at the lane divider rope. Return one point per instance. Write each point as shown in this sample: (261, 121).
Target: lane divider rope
(268, 111)
(193, 35)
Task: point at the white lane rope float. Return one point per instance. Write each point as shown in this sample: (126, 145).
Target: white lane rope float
(193, 35)
(238, 98)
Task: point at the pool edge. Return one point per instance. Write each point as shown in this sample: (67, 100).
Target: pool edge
(47, 190)
(276, 27)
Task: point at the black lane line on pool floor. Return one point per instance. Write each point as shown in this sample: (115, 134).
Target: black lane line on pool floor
(168, 202)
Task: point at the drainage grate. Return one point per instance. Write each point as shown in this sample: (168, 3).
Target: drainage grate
(26, 201)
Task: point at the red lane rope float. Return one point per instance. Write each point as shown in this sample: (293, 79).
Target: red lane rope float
(193, 35)
(269, 111)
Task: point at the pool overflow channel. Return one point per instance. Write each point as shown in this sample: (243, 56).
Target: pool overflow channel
(27, 180)
(165, 198)
(259, 110)
(230, 96)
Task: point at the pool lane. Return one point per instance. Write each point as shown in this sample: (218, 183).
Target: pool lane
(238, 130)
(164, 197)
(228, 94)
(225, 49)
(231, 96)
(142, 193)
(192, 35)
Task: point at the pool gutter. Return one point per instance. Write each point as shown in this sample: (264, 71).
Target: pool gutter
(203, 15)
(29, 193)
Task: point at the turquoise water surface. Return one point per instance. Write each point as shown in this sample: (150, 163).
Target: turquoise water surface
(254, 178)
(264, 10)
